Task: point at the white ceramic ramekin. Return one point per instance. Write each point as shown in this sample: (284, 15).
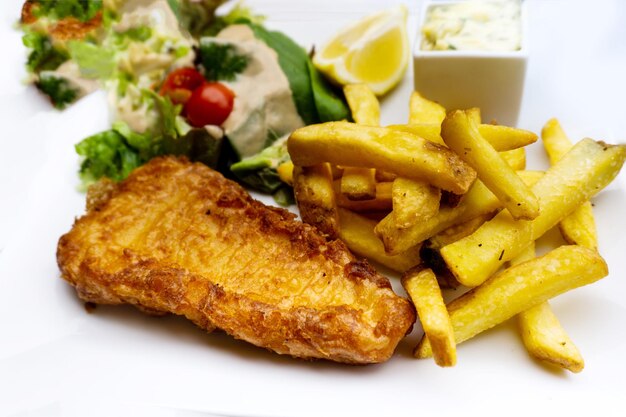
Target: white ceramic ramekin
(493, 81)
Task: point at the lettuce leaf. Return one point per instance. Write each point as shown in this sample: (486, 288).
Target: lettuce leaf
(259, 171)
(59, 90)
(43, 55)
(116, 152)
(107, 154)
(93, 60)
(82, 10)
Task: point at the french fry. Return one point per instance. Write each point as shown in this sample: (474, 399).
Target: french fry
(546, 340)
(313, 189)
(413, 202)
(519, 288)
(428, 131)
(579, 228)
(382, 201)
(555, 141)
(461, 134)
(422, 110)
(402, 153)
(358, 183)
(476, 202)
(430, 251)
(474, 114)
(358, 233)
(449, 199)
(397, 240)
(586, 169)
(363, 104)
(502, 138)
(424, 291)
(542, 334)
(384, 176)
(336, 171)
(456, 232)
(515, 158)
(285, 172)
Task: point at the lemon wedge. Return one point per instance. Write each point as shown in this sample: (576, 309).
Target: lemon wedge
(374, 51)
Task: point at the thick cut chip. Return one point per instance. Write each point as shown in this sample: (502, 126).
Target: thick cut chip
(380, 203)
(505, 138)
(385, 176)
(430, 251)
(358, 233)
(456, 232)
(579, 228)
(478, 201)
(413, 202)
(519, 288)
(428, 131)
(402, 153)
(555, 141)
(363, 104)
(285, 172)
(313, 189)
(516, 158)
(474, 114)
(425, 293)
(358, 183)
(543, 335)
(502, 138)
(585, 170)
(546, 340)
(422, 110)
(460, 132)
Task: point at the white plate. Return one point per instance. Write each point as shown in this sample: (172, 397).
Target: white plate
(56, 359)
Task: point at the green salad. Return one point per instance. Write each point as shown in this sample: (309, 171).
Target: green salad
(180, 79)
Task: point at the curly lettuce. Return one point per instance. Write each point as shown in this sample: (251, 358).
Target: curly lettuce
(116, 152)
(59, 89)
(43, 55)
(82, 10)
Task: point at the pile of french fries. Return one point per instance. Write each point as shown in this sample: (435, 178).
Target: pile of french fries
(446, 201)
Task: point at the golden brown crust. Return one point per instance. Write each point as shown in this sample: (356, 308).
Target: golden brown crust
(177, 237)
(99, 193)
(28, 16)
(64, 29)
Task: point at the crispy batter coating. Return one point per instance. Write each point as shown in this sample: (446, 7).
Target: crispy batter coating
(178, 237)
(65, 29)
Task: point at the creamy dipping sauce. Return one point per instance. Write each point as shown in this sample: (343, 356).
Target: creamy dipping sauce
(473, 25)
(263, 100)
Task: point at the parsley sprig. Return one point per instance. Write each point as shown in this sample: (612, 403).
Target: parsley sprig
(220, 61)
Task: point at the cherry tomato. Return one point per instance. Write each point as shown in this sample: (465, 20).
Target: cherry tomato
(180, 83)
(209, 104)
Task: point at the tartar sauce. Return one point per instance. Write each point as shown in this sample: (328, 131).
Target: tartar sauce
(473, 25)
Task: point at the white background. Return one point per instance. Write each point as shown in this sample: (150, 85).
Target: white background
(57, 360)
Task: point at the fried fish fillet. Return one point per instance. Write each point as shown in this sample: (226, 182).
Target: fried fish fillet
(177, 237)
